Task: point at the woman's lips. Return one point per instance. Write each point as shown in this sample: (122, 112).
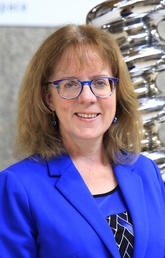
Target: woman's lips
(87, 115)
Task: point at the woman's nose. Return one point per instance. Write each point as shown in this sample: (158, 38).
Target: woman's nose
(87, 95)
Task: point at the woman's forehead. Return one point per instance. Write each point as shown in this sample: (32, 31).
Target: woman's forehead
(80, 58)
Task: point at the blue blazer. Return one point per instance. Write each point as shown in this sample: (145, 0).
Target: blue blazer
(47, 211)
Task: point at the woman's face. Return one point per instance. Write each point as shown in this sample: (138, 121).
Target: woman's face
(86, 117)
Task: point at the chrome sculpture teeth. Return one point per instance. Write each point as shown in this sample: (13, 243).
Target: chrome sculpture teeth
(150, 83)
(146, 90)
(152, 109)
(147, 53)
(149, 75)
(152, 139)
(151, 143)
(151, 117)
(139, 68)
(154, 128)
(141, 60)
(151, 104)
(136, 32)
(112, 11)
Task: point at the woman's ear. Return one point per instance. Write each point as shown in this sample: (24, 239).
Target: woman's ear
(48, 100)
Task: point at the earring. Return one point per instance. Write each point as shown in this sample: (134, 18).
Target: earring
(114, 120)
(54, 118)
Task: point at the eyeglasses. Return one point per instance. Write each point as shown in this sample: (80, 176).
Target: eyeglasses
(71, 88)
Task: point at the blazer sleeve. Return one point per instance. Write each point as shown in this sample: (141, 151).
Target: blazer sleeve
(17, 234)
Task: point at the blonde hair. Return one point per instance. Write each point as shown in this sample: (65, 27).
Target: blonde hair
(35, 133)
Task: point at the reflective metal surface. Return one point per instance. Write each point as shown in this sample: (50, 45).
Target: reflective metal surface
(153, 139)
(139, 29)
(151, 104)
(151, 143)
(152, 109)
(149, 83)
(113, 11)
(158, 116)
(141, 60)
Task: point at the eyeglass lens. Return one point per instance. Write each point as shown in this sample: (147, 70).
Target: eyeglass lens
(71, 88)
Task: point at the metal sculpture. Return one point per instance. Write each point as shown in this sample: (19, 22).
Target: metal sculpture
(139, 28)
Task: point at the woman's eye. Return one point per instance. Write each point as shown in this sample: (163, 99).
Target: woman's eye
(100, 83)
(70, 84)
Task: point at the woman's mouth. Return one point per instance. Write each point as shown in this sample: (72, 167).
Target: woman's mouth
(87, 116)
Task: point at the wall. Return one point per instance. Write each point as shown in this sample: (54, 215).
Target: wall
(17, 45)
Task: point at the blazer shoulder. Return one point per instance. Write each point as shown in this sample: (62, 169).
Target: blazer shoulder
(30, 165)
(147, 168)
(143, 160)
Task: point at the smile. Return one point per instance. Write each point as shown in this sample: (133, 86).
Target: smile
(88, 116)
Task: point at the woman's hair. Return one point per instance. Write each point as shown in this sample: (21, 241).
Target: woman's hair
(35, 133)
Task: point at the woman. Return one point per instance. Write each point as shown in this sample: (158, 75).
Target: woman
(83, 190)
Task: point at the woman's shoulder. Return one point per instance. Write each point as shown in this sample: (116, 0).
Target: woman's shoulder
(143, 166)
(143, 162)
(32, 164)
(147, 169)
(139, 161)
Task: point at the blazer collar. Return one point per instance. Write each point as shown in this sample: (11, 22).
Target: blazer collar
(73, 188)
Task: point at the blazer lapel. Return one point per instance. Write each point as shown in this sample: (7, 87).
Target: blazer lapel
(73, 188)
(132, 189)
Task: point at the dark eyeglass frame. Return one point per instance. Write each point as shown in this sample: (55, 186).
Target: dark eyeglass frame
(89, 83)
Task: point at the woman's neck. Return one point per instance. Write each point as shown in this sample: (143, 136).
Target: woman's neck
(92, 162)
(91, 150)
